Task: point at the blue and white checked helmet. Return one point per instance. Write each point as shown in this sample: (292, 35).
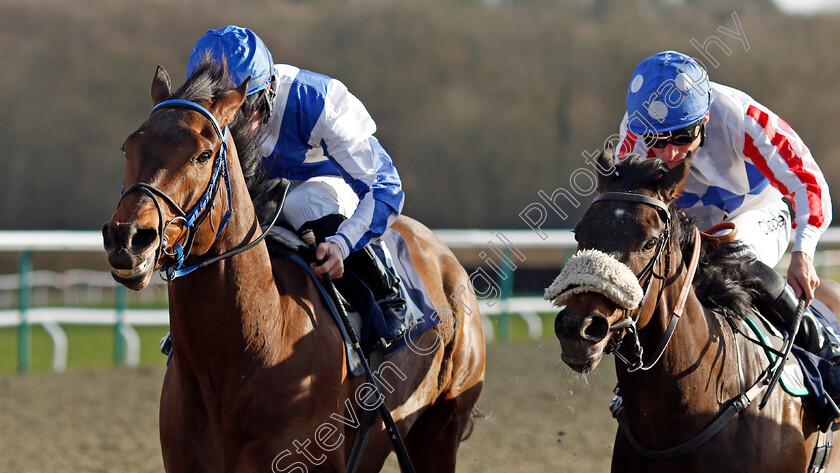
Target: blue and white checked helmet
(245, 52)
(667, 91)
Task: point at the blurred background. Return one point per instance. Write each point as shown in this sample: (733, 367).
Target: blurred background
(481, 103)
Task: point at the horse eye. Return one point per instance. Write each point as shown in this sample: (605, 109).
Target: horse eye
(122, 148)
(650, 244)
(203, 157)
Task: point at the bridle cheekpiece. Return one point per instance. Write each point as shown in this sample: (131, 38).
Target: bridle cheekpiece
(192, 219)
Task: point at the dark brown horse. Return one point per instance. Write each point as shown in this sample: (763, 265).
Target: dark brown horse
(675, 382)
(259, 380)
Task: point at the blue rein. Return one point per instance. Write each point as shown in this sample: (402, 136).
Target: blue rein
(191, 218)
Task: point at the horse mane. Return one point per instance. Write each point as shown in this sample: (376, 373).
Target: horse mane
(209, 80)
(635, 171)
(723, 278)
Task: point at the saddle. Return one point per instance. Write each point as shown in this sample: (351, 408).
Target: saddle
(800, 378)
(364, 314)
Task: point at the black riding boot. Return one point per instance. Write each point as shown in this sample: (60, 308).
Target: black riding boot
(778, 298)
(382, 281)
(384, 284)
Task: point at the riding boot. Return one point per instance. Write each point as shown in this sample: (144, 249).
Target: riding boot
(778, 298)
(382, 280)
(385, 286)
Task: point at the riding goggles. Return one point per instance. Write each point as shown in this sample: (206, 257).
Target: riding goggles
(681, 137)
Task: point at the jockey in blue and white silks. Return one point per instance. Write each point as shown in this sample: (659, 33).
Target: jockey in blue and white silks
(319, 129)
(314, 132)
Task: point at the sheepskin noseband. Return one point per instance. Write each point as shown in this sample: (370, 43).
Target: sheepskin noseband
(596, 271)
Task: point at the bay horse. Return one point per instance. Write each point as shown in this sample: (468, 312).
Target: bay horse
(676, 381)
(259, 379)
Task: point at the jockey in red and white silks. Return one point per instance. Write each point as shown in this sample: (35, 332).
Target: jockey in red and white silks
(745, 160)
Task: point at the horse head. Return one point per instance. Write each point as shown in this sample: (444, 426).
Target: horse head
(625, 240)
(176, 177)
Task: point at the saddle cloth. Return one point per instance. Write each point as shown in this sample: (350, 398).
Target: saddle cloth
(806, 376)
(792, 378)
(367, 318)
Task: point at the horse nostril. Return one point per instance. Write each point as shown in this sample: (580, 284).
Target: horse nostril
(142, 239)
(596, 327)
(558, 323)
(107, 241)
(109, 235)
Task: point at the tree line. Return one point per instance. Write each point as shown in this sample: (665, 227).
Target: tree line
(482, 105)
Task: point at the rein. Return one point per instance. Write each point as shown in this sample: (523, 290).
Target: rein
(193, 219)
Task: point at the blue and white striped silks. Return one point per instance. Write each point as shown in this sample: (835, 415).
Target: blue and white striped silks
(319, 128)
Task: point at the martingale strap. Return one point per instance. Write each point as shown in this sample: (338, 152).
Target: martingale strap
(679, 306)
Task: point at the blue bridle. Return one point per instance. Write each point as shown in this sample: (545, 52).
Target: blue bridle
(192, 219)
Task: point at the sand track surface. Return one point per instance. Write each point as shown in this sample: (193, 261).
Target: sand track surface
(539, 418)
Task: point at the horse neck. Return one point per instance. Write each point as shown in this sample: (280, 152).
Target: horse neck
(226, 308)
(685, 368)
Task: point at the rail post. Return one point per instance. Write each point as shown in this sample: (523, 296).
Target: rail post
(119, 339)
(506, 288)
(24, 333)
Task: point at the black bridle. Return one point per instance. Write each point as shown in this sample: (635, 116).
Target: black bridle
(735, 405)
(193, 219)
(627, 324)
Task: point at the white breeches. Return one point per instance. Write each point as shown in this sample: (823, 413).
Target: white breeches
(766, 231)
(318, 197)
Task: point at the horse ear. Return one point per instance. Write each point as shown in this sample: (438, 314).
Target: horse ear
(670, 185)
(226, 105)
(605, 160)
(161, 89)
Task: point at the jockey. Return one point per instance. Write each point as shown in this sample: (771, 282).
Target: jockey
(745, 161)
(318, 135)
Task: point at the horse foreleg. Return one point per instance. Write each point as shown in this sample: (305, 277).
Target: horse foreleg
(186, 438)
(434, 438)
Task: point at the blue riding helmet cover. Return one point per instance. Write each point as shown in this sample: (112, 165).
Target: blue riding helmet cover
(667, 91)
(245, 52)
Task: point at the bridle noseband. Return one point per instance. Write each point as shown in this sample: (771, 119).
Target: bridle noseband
(627, 324)
(192, 219)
